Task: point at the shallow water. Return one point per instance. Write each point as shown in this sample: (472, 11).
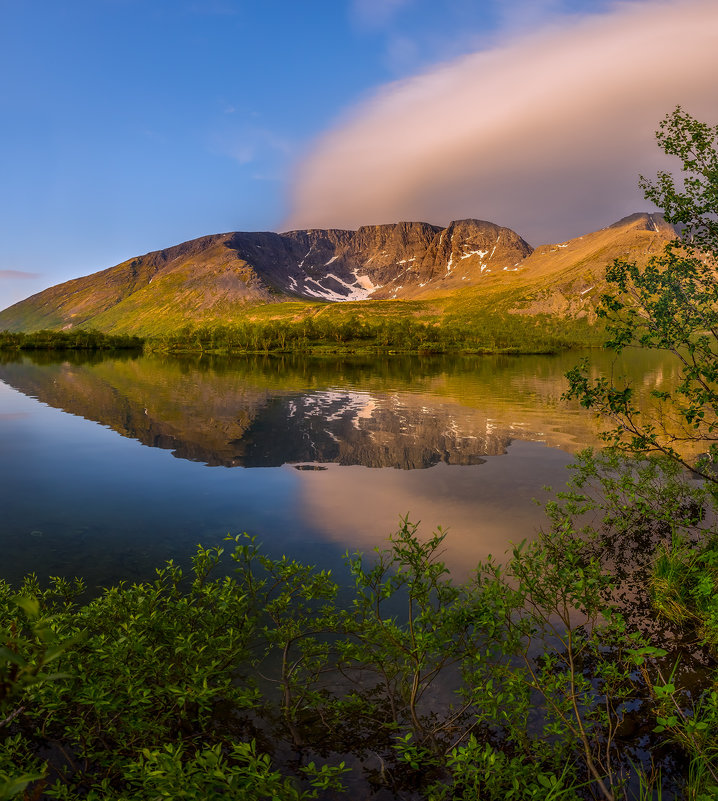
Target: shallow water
(110, 465)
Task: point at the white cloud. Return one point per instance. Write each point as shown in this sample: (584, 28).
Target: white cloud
(545, 133)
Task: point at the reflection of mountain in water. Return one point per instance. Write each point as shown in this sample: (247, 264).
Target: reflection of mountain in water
(365, 429)
(379, 412)
(217, 419)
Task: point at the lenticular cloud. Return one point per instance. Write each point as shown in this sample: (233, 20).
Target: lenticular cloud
(546, 134)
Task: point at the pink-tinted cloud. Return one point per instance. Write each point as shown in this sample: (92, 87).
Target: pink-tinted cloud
(546, 133)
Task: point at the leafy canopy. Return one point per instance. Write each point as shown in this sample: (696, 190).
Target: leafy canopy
(670, 305)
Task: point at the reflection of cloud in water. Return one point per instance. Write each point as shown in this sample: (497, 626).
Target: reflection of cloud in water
(484, 507)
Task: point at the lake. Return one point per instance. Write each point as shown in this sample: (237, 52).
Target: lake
(111, 464)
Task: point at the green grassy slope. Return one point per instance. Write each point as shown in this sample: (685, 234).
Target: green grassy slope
(198, 283)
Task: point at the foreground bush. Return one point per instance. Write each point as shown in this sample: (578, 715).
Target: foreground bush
(258, 678)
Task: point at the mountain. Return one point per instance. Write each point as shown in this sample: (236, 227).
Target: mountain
(566, 278)
(224, 277)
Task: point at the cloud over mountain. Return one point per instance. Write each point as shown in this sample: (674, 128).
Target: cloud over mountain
(546, 133)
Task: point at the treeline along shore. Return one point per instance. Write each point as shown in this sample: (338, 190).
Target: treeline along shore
(67, 340)
(490, 334)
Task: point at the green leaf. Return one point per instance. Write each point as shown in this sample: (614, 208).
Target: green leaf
(29, 605)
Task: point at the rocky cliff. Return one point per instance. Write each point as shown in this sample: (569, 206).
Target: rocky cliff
(221, 278)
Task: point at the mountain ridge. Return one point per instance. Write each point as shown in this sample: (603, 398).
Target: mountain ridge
(221, 277)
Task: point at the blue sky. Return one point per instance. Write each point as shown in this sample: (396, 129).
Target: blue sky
(131, 125)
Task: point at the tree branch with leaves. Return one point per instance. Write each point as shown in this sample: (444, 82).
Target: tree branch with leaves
(670, 305)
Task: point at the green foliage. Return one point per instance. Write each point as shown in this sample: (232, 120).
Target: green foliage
(670, 305)
(14, 752)
(684, 584)
(475, 332)
(406, 626)
(167, 686)
(78, 339)
(28, 645)
(692, 204)
(210, 774)
(144, 671)
(153, 678)
(481, 771)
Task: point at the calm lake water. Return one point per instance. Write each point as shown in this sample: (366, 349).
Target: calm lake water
(110, 465)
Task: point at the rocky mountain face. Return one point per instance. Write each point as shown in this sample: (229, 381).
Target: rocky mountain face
(218, 278)
(390, 261)
(226, 271)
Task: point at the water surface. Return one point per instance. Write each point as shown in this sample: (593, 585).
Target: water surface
(111, 464)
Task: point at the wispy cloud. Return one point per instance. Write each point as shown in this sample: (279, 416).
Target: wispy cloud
(402, 54)
(524, 15)
(251, 144)
(18, 275)
(546, 133)
(376, 13)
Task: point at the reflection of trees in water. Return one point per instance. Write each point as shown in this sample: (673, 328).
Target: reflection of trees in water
(407, 412)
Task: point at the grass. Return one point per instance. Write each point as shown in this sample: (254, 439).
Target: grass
(684, 587)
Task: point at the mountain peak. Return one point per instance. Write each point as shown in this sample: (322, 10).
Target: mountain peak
(645, 221)
(217, 278)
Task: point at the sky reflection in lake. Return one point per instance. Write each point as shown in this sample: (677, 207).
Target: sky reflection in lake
(472, 439)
